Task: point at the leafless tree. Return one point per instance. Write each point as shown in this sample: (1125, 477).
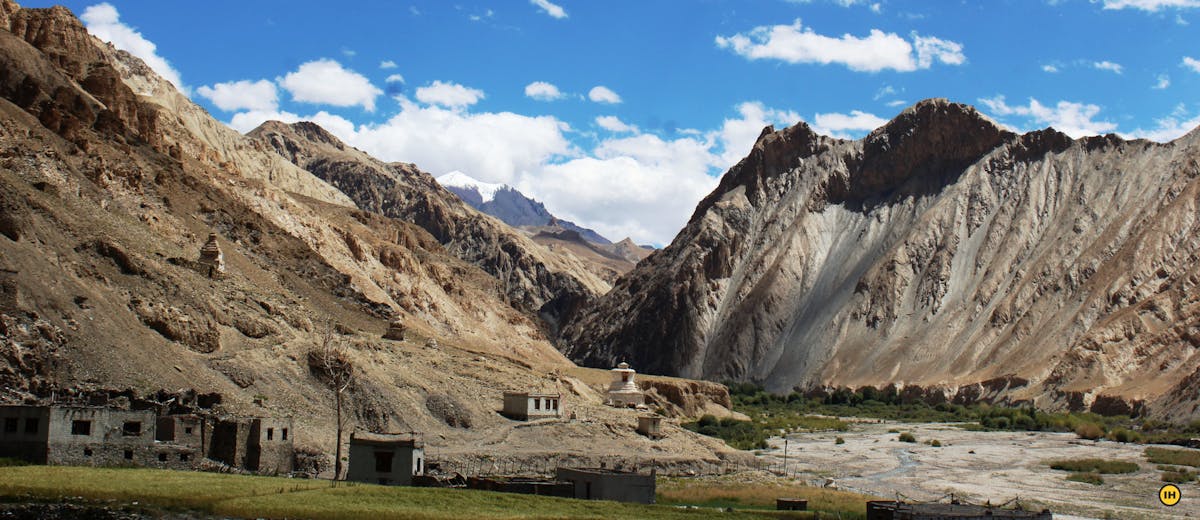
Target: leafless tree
(331, 364)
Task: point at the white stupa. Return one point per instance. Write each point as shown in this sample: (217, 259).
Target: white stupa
(623, 392)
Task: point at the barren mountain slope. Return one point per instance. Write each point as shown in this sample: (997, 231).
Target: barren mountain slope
(939, 251)
(110, 182)
(535, 279)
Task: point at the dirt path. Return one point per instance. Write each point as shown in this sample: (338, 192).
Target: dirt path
(980, 467)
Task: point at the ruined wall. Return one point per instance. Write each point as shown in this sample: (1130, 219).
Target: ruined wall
(18, 438)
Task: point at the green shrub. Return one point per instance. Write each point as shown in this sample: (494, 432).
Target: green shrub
(907, 437)
(1178, 477)
(1089, 431)
(1087, 478)
(1124, 435)
(708, 420)
(1180, 457)
(936, 443)
(893, 430)
(839, 440)
(6, 462)
(1094, 466)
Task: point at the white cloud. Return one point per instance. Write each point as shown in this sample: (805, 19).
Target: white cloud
(387, 64)
(875, 52)
(602, 94)
(242, 95)
(1191, 63)
(491, 147)
(104, 22)
(450, 95)
(736, 136)
(895, 103)
(394, 78)
(1163, 82)
(326, 82)
(1169, 128)
(1073, 119)
(614, 124)
(543, 91)
(836, 124)
(1049, 68)
(1150, 5)
(886, 91)
(1108, 65)
(554, 10)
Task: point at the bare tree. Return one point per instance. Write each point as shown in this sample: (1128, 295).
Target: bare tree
(331, 364)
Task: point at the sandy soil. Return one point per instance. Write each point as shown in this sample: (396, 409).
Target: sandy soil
(980, 467)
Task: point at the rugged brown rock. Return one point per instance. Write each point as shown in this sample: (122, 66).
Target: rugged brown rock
(939, 251)
(535, 280)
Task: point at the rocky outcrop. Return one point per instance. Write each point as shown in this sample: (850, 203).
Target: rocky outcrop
(534, 279)
(939, 251)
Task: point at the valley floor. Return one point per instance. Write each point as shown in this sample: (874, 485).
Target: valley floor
(979, 466)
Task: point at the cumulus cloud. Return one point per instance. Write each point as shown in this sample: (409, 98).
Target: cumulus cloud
(554, 10)
(1150, 5)
(1073, 119)
(839, 125)
(1163, 82)
(602, 94)
(1169, 128)
(394, 78)
(736, 135)
(104, 22)
(242, 95)
(614, 124)
(1049, 68)
(542, 91)
(326, 82)
(450, 95)
(872, 53)
(1191, 63)
(249, 120)
(387, 64)
(1108, 65)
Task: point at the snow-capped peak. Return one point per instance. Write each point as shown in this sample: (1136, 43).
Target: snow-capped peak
(459, 179)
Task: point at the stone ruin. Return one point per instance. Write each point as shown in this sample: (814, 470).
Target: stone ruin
(395, 330)
(211, 257)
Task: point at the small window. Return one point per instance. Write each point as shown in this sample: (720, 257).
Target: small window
(31, 425)
(283, 434)
(187, 430)
(183, 457)
(554, 404)
(81, 427)
(537, 404)
(128, 454)
(131, 428)
(162, 457)
(10, 425)
(270, 433)
(420, 462)
(87, 452)
(383, 461)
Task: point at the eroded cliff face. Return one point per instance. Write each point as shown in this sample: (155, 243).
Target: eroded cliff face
(534, 279)
(941, 251)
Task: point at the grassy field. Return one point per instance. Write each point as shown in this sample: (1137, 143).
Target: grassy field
(273, 497)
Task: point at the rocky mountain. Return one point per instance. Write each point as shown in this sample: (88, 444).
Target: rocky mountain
(942, 252)
(111, 183)
(509, 205)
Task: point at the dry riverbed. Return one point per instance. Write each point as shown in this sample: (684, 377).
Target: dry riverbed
(980, 467)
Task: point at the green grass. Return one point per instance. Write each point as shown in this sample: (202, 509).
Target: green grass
(1178, 477)
(273, 497)
(1094, 466)
(763, 423)
(1087, 478)
(1178, 457)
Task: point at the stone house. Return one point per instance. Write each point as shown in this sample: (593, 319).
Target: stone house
(609, 484)
(650, 426)
(87, 436)
(253, 443)
(526, 406)
(386, 458)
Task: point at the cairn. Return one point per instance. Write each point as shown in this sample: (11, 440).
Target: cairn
(395, 330)
(211, 257)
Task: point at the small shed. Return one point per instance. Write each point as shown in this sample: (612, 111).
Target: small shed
(525, 406)
(650, 426)
(386, 458)
(610, 484)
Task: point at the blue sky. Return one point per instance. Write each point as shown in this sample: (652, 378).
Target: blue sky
(621, 115)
